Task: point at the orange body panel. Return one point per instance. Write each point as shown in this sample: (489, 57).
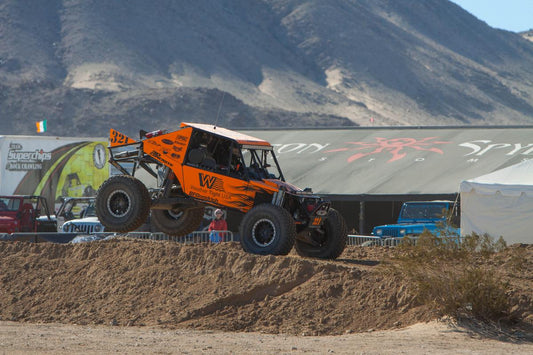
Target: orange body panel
(169, 149)
(223, 190)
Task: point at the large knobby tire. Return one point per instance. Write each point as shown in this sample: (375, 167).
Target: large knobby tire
(331, 238)
(267, 229)
(122, 203)
(177, 222)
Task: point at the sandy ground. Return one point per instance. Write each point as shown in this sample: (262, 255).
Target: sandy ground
(126, 296)
(424, 338)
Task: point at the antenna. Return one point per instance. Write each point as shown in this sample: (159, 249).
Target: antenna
(219, 108)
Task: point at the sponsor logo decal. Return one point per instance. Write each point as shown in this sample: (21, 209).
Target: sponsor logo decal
(203, 197)
(481, 147)
(211, 182)
(99, 156)
(181, 139)
(395, 147)
(20, 160)
(158, 156)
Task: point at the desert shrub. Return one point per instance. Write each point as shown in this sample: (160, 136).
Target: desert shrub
(471, 291)
(429, 247)
(518, 261)
(447, 275)
(484, 244)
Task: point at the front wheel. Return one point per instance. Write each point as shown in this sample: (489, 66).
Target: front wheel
(329, 241)
(267, 229)
(177, 222)
(122, 203)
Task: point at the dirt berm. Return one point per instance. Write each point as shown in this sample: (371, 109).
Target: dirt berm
(217, 287)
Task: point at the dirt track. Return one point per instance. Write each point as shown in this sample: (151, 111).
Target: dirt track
(427, 338)
(122, 284)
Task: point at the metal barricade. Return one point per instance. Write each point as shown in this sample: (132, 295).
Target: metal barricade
(395, 241)
(145, 235)
(200, 237)
(194, 237)
(56, 237)
(363, 240)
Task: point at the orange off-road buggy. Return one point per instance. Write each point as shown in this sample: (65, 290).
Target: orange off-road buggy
(200, 165)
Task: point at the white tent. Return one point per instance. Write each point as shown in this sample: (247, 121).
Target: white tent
(500, 204)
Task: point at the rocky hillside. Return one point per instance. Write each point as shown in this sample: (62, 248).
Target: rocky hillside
(86, 65)
(528, 35)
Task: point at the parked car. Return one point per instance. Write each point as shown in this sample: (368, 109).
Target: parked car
(78, 215)
(26, 214)
(437, 217)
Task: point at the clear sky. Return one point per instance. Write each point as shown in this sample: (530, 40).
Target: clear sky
(511, 15)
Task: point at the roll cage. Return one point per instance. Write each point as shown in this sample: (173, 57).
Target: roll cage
(207, 150)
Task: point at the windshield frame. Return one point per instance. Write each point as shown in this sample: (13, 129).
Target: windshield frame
(261, 163)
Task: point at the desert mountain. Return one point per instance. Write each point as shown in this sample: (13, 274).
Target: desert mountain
(88, 65)
(528, 35)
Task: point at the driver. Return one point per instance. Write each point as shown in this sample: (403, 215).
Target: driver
(236, 165)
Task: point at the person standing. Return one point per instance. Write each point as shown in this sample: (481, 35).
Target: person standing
(217, 225)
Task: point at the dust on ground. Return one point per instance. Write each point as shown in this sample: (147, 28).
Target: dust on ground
(123, 284)
(422, 338)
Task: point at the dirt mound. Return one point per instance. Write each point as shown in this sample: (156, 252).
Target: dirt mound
(204, 286)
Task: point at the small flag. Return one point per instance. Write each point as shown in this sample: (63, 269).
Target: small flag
(41, 126)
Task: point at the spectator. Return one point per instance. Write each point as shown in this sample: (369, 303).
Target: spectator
(217, 225)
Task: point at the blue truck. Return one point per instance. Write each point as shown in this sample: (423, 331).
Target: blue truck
(438, 217)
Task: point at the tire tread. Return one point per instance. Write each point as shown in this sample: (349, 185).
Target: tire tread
(141, 204)
(286, 224)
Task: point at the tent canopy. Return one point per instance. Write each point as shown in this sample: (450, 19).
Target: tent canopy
(395, 161)
(514, 180)
(500, 204)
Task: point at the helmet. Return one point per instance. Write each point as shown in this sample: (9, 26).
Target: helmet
(218, 211)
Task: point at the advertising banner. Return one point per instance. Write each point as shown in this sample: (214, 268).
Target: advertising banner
(390, 161)
(53, 167)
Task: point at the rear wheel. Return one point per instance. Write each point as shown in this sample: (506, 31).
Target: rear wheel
(267, 229)
(177, 222)
(122, 203)
(329, 241)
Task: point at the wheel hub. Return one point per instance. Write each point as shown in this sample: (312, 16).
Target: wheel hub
(175, 214)
(119, 203)
(263, 232)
